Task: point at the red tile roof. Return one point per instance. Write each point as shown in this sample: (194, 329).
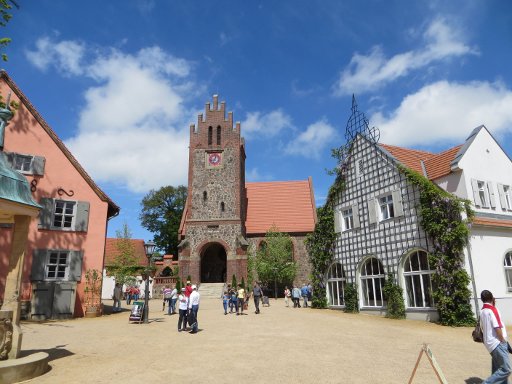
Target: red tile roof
(492, 222)
(111, 251)
(290, 205)
(436, 165)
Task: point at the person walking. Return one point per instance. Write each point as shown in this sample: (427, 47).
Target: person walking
(296, 297)
(234, 300)
(241, 299)
(304, 292)
(116, 296)
(166, 291)
(257, 294)
(287, 296)
(174, 298)
(226, 298)
(193, 306)
(495, 339)
(183, 309)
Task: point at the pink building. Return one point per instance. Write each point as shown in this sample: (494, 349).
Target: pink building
(68, 238)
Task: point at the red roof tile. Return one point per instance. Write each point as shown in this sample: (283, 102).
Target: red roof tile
(111, 251)
(436, 165)
(492, 222)
(290, 205)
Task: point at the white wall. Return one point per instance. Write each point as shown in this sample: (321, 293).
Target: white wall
(109, 283)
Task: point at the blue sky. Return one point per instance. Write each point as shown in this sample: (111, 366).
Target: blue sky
(121, 81)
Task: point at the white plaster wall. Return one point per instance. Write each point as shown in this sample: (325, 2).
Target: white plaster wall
(485, 160)
(488, 249)
(109, 283)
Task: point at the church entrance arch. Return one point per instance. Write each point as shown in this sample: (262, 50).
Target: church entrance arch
(213, 263)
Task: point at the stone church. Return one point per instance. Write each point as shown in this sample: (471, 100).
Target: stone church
(225, 217)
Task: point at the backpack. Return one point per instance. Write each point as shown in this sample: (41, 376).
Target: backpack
(477, 334)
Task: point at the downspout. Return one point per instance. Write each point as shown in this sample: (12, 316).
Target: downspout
(472, 272)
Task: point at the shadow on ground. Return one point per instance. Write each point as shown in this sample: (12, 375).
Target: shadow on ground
(473, 380)
(58, 352)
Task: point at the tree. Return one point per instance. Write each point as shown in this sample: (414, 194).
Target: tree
(5, 16)
(125, 265)
(274, 259)
(161, 214)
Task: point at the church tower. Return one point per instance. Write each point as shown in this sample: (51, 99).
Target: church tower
(213, 246)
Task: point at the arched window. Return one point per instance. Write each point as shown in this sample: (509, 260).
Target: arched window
(418, 280)
(372, 281)
(210, 135)
(508, 269)
(336, 285)
(218, 135)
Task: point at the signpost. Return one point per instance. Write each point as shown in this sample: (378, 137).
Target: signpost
(425, 349)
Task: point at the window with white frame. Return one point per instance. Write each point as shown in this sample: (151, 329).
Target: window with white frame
(387, 209)
(508, 269)
(348, 219)
(505, 194)
(23, 163)
(482, 193)
(418, 280)
(57, 265)
(64, 214)
(372, 282)
(26, 163)
(336, 285)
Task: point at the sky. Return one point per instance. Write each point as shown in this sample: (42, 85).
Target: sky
(121, 81)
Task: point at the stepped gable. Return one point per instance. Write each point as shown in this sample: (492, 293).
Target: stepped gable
(290, 205)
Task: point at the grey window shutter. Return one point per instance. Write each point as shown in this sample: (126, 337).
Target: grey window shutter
(492, 200)
(503, 200)
(476, 194)
(397, 203)
(372, 212)
(38, 264)
(75, 265)
(10, 158)
(38, 165)
(337, 226)
(82, 216)
(45, 216)
(355, 215)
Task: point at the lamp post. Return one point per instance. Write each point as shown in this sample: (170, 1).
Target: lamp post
(149, 248)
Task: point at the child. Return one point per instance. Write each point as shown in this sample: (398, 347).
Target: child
(225, 300)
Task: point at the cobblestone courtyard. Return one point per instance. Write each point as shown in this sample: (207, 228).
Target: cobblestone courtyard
(281, 345)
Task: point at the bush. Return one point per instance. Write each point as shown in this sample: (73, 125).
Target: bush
(394, 296)
(351, 299)
(233, 282)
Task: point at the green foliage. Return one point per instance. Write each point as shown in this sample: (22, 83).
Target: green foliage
(351, 299)
(441, 217)
(125, 265)
(233, 282)
(251, 265)
(274, 259)
(5, 16)
(394, 295)
(161, 214)
(189, 278)
(320, 245)
(243, 284)
(178, 285)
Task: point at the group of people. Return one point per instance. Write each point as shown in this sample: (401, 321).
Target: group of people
(170, 297)
(131, 293)
(296, 293)
(237, 299)
(188, 308)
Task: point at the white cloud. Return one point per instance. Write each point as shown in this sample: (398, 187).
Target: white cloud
(313, 141)
(133, 128)
(258, 125)
(446, 112)
(374, 70)
(66, 56)
(254, 174)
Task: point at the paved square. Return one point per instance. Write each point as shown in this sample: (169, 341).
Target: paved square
(281, 345)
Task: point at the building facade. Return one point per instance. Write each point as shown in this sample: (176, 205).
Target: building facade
(223, 214)
(68, 238)
(378, 224)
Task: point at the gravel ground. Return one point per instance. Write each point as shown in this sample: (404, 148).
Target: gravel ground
(280, 345)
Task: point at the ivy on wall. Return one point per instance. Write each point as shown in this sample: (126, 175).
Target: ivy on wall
(394, 295)
(351, 298)
(442, 219)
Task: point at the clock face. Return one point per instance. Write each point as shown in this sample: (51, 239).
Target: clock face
(214, 159)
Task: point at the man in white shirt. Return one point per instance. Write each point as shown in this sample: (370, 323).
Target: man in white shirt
(193, 306)
(495, 339)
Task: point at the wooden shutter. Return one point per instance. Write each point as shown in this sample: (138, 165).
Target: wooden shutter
(337, 226)
(476, 194)
(38, 265)
(46, 214)
(82, 216)
(503, 199)
(397, 203)
(38, 165)
(492, 200)
(75, 265)
(355, 215)
(10, 158)
(372, 211)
